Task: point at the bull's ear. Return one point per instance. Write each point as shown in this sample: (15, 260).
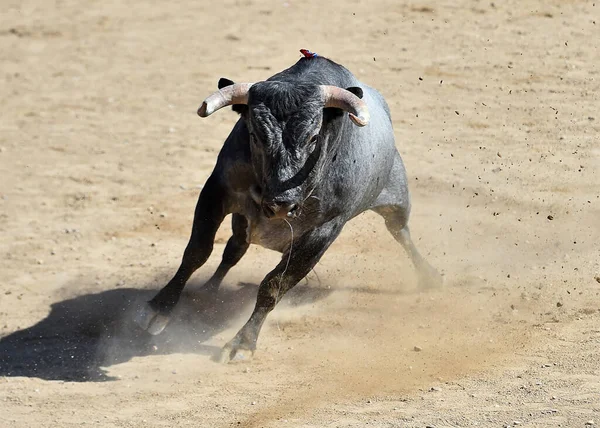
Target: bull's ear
(238, 108)
(333, 113)
(224, 82)
(241, 109)
(356, 91)
(330, 113)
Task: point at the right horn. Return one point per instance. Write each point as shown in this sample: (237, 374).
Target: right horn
(341, 98)
(229, 95)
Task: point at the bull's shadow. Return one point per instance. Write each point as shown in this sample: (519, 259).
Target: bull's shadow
(83, 335)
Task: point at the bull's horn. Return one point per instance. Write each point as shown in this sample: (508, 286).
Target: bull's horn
(347, 101)
(229, 95)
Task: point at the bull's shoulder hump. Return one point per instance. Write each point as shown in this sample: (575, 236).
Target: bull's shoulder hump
(375, 100)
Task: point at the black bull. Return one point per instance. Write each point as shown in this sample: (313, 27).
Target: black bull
(294, 169)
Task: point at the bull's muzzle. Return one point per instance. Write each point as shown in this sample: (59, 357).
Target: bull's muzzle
(279, 209)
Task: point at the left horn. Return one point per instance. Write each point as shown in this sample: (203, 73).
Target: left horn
(341, 98)
(229, 95)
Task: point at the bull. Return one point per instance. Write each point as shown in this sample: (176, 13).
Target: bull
(313, 148)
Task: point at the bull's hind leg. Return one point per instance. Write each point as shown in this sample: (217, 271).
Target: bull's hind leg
(427, 274)
(393, 204)
(234, 250)
(154, 315)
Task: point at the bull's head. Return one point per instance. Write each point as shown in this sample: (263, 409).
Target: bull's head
(287, 131)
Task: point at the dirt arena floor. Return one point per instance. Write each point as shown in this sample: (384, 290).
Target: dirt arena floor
(496, 110)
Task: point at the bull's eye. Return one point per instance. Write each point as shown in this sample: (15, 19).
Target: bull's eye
(313, 143)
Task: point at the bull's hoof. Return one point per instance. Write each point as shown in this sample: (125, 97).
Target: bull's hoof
(430, 278)
(231, 353)
(150, 319)
(211, 287)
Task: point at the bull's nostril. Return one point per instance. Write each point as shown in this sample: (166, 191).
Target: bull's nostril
(291, 211)
(279, 209)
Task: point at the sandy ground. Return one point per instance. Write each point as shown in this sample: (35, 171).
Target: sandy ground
(496, 111)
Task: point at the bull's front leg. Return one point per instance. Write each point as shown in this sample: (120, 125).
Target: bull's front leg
(295, 264)
(210, 212)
